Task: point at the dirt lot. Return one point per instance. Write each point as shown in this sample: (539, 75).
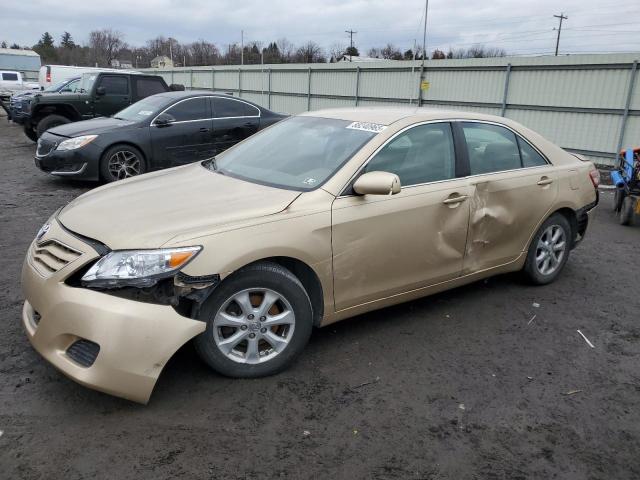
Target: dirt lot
(460, 385)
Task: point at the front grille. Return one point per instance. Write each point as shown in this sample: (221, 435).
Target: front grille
(45, 147)
(49, 257)
(83, 352)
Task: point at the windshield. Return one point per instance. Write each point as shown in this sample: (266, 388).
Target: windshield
(142, 109)
(87, 81)
(299, 153)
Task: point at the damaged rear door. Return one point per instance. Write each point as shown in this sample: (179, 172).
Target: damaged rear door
(384, 245)
(513, 189)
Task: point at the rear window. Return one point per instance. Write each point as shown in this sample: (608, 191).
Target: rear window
(226, 107)
(114, 85)
(12, 77)
(145, 87)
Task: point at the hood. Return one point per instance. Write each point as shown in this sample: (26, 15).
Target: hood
(95, 126)
(147, 211)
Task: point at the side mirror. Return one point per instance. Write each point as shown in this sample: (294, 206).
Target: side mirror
(377, 183)
(164, 120)
(100, 91)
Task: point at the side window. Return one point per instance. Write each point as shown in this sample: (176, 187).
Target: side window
(530, 158)
(491, 148)
(115, 85)
(148, 86)
(250, 110)
(71, 86)
(225, 107)
(421, 154)
(192, 109)
(13, 77)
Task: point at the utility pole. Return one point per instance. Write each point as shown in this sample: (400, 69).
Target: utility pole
(560, 17)
(241, 47)
(424, 52)
(351, 33)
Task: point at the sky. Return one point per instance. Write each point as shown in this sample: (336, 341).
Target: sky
(524, 27)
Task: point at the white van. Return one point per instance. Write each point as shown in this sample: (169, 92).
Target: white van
(52, 74)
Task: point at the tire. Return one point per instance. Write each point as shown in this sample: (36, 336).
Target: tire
(618, 197)
(50, 121)
(30, 132)
(251, 284)
(120, 162)
(625, 216)
(547, 257)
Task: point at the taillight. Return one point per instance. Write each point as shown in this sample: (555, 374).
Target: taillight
(48, 77)
(594, 175)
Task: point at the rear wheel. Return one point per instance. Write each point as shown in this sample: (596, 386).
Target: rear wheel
(625, 216)
(30, 132)
(120, 162)
(50, 121)
(258, 322)
(549, 250)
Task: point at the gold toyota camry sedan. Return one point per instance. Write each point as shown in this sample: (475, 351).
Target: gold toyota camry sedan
(318, 218)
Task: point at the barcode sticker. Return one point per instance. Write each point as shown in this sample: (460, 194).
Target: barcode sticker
(367, 127)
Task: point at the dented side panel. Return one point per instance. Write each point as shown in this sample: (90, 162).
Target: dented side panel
(385, 245)
(506, 208)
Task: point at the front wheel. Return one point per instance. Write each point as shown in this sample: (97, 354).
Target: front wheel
(50, 121)
(258, 322)
(549, 250)
(120, 162)
(30, 132)
(625, 217)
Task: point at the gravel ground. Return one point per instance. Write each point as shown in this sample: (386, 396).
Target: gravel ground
(459, 385)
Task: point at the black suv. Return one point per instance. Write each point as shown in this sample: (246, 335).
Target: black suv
(100, 94)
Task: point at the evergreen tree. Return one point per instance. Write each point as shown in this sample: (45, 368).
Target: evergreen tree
(66, 40)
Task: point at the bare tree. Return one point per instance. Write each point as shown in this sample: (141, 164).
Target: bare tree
(310, 52)
(105, 45)
(336, 51)
(204, 53)
(374, 52)
(391, 52)
(286, 49)
(476, 51)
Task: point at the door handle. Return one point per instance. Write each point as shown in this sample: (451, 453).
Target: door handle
(545, 181)
(454, 200)
(204, 130)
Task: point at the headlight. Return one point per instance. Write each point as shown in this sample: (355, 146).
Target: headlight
(76, 142)
(137, 268)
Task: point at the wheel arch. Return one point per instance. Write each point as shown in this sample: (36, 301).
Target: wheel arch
(309, 279)
(63, 109)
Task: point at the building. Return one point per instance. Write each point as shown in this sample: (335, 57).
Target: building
(161, 61)
(121, 64)
(360, 59)
(25, 61)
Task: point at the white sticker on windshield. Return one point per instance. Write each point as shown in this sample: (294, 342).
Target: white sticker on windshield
(309, 181)
(367, 127)
(146, 113)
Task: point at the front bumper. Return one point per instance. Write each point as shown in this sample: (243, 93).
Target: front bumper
(135, 339)
(82, 163)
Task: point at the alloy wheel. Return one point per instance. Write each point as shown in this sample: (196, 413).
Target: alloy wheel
(124, 164)
(254, 326)
(551, 249)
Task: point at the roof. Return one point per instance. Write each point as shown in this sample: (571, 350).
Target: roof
(389, 115)
(160, 57)
(13, 51)
(196, 93)
(362, 58)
